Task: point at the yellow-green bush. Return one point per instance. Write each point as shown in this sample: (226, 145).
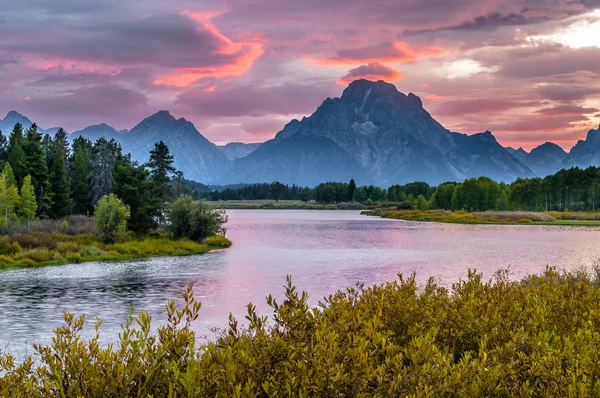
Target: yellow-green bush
(537, 337)
(217, 241)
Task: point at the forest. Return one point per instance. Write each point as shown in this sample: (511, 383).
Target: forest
(571, 189)
(68, 202)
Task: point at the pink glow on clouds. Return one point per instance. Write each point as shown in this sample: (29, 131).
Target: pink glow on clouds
(243, 53)
(240, 72)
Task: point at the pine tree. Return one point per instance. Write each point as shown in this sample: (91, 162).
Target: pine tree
(3, 148)
(161, 168)
(16, 157)
(27, 203)
(351, 189)
(133, 186)
(62, 203)
(37, 168)
(80, 165)
(104, 158)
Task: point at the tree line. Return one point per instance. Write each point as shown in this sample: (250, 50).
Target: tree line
(573, 189)
(47, 177)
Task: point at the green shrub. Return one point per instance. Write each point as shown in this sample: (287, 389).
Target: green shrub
(111, 217)
(217, 241)
(536, 337)
(195, 220)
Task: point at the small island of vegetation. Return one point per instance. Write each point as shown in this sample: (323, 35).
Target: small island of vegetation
(63, 203)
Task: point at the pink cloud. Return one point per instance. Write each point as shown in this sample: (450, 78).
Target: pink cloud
(397, 51)
(373, 71)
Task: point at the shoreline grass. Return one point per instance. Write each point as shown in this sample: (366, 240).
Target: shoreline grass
(43, 249)
(490, 217)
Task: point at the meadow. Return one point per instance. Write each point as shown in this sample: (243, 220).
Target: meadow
(284, 205)
(490, 217)
(75, 240)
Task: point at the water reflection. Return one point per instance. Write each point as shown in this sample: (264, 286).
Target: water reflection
(322, 250)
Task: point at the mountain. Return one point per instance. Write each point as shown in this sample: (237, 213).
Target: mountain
(546, 159)
(376, 135)
(197, 157)
(586, 152)
(13, 117)
(236, 150)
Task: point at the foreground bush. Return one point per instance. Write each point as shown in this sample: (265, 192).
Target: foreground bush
(195, 220)
(536, 337)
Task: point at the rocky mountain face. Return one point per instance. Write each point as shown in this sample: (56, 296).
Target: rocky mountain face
(236, 150)
(198, 158)
(585, 152)
(378, 136)
(543, 160)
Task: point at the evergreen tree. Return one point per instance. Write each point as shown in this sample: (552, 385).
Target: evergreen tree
(61, 141)
(161, 168)
(80, 165)
(104, 158)
(36, 167)
(27, 202)
(179, 188)
(305, 195)
(351, 189)
(62, 203)
(3, 148)
(16, 157)
(133, 186)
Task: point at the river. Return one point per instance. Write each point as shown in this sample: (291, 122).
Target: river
(323, 251)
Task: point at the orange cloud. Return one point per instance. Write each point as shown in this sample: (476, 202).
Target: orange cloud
(397, 51)
(373, 71)
(433, 97)
(241, 55)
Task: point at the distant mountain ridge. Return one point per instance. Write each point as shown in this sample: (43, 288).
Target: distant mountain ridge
(372, 133)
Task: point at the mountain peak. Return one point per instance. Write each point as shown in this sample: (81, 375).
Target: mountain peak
(13, 115)
(162, 115)
(358, 90)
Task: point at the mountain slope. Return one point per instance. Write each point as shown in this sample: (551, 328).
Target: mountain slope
(388, 135)
(13, 117)
(585, 152)
(236, 150)
(198, 158)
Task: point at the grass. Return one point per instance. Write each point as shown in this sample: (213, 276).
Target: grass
(284, 205)
(41, 248)
(490, 217)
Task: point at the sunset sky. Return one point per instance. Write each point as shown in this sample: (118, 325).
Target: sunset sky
(527, 70)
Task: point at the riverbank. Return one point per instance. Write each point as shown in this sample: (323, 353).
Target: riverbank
(41, 248)
(284, 205)
(489, 217)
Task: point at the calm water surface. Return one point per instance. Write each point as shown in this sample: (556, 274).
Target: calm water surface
(322, 250)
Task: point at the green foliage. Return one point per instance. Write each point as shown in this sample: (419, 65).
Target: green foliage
(27, 203)
(351, 190)
(305, 195)
(81, 166)
(276, 190)
(535, 337)
(195, 220)
(103, 160)
(9, 195)
(133, 186)
(161, 169)
(111, 217)
(16, 157)
(62, 203)
(37, 168)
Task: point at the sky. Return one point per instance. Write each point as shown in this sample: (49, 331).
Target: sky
(527, 70)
